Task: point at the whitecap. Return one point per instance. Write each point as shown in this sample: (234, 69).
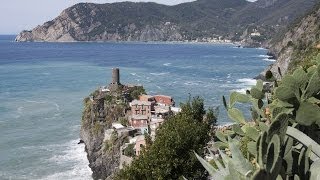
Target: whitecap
(167, 64)
(71, 152)
(135, 74)
(186, 67)
(159, 74)
(20, 109)
(38, 102)
(267, 59)
(265, 56)
(191, 83)
(242, 91)
(247, 81)
(57, 106)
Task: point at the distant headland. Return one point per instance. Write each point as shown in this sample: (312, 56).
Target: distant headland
(251, 23)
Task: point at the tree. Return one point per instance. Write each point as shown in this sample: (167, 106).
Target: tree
(136, 92)
(129, 150)
(212, 116)
(171, 154)
(194, 108)
(148, 140)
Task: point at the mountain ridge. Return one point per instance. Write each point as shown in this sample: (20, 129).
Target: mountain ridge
(198, 20)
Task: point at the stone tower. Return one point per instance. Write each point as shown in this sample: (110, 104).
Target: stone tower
(115, 76)
(115, 83)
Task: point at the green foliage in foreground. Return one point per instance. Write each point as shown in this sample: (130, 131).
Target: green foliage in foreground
(284, 133)
(171, 154)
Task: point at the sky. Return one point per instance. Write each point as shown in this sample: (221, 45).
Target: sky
(18, 15)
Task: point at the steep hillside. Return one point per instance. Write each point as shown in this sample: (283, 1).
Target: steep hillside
(202, 19)
(298, 45)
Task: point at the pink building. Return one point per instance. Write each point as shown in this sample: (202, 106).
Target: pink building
(141, 115)
(141, 108)
(140, 143)
(138, 121)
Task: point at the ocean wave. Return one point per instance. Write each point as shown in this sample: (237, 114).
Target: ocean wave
(71, 153)
(265, 56)
(247, 81)
(242, 91)
(267, 59)
(20, 109)
(167, 64)
(243, 85)
(135, 74)
(38, 102)
(184, 67)
(192, 83)
(56, 105)
(159, 74)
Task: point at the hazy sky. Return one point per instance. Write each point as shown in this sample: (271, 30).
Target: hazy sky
(18, 15)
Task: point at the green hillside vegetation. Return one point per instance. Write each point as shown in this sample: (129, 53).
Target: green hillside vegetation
(201, 20)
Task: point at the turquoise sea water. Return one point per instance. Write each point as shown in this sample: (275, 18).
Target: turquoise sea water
(42, 86)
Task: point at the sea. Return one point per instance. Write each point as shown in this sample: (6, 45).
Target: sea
(42, 86)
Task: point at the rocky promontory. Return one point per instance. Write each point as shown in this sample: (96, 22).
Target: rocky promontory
(297, 45)
(97, 117)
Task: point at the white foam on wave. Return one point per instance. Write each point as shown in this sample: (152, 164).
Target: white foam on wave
(57, 106)
(167, 64)
(38, 102)
(244, 85)
(20, 109)
(247, 81)
(72, 153)
(44, 102)
(159, 74)
(267, 59)
(265, 56)
(192, 83)
(242, 91)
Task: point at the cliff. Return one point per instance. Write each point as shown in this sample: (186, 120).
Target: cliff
(103, 148)
(297, 45)
(199, 20)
